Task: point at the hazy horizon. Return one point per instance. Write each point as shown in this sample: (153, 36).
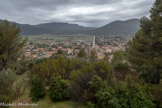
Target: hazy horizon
(88, 13)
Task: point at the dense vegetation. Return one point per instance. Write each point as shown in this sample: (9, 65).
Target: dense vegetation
(11, 45)
(37, 89)
(144, 51)
(130, 80)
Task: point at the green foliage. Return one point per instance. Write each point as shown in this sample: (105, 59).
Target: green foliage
(90, 105)
(145, 49)
(99, 68)
(19, 87)
(58, 89)
(96, 84)
(82, 53)
(93, 56)
(128, 94)
(7, 77)
(22, 65)
(60, 52)
(118, 56)
(56, 66)
(107, 98)
(156, 19)
(47, 69)
(76, 92)
(103, 70)
(106, 59)
(119, 63)
(100, 94)
(132, 94)
(139, 48)
(81, 78)
(121, 67)
(37, 89)
(11, 44)
(78, 63)
(156, 90)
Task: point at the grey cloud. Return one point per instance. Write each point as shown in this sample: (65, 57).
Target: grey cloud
(83, 12)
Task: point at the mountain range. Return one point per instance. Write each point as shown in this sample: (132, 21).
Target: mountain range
(128, 27)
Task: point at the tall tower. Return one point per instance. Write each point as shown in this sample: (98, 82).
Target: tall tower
(94, 42)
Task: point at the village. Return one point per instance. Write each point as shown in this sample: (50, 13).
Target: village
(40, 47)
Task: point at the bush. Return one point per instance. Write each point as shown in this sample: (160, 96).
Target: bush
(76, 92)
(37, 89)
(121, 70)
(121, 67)
(19, 87)
(55, 66)
(58, 89)
(156, 90)
(90, 105)
(96, 84)
(103, 70)
(81, 78)
(107, 98)
(135, 95)
(127, 95)
(7, 78)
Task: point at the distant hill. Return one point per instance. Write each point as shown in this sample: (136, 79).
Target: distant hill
(64, 28)
(53, 28)
(129, 27)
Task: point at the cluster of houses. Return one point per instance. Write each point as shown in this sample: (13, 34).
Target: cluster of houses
(71, 49)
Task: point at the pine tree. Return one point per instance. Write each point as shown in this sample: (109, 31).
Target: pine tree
(37, 89)
(82, 53)
(11, 44)
(145, 50)
(156, 19)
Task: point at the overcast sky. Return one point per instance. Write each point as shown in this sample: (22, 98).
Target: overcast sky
(83, 12)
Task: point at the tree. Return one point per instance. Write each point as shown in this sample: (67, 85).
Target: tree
(120, 66)
(11, 44)
(37, 89)
(58, 89)
(60, 52)
(144, 51)
(156, 19)
(82, 53)
(93, 56)
(106, 58)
